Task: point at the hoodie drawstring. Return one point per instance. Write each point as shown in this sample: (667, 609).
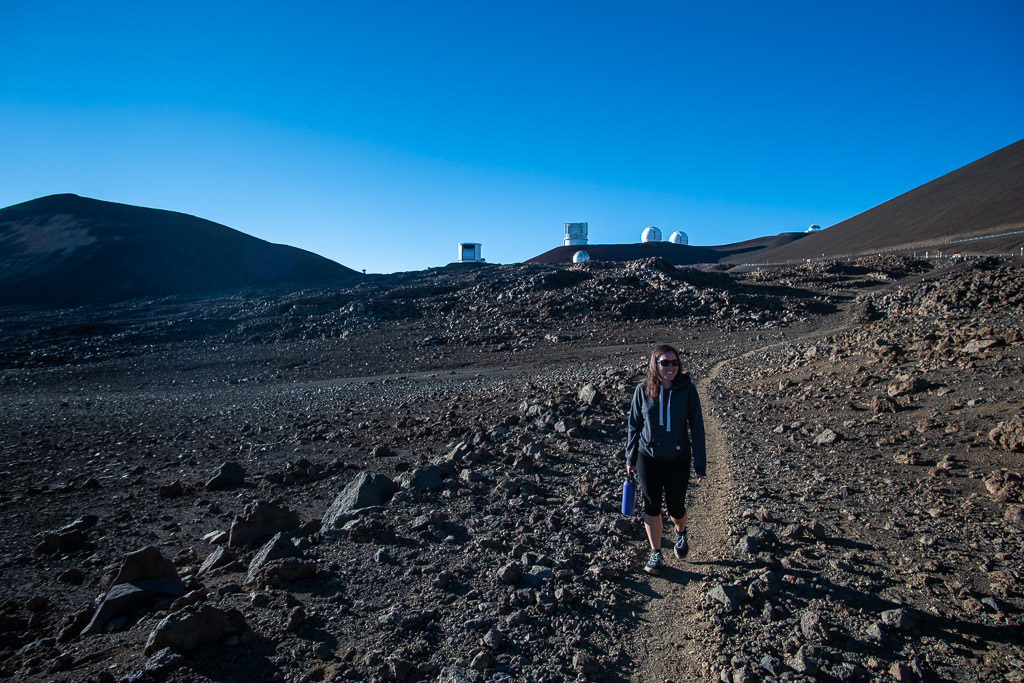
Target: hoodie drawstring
(665, 411)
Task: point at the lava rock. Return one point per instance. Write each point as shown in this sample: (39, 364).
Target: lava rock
(259, 520)
(187, 630)
(228, 475)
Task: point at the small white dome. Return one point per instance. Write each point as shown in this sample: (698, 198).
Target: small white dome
(580, 256)
(814, 228)
(650, 234)
(678, 237)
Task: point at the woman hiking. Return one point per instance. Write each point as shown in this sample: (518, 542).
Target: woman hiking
(665, 435)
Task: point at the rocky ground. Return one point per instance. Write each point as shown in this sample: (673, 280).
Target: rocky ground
(417, 478)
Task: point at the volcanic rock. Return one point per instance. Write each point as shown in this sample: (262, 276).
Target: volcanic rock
(277, 548)
(510, 574)
(227, 475)
(218, 558)
(186, 630)
(729, 596)
(366, 490)
(145, 576)
(259, 520)
(1009, 434)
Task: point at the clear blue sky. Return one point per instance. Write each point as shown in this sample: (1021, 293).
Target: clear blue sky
(380, 134)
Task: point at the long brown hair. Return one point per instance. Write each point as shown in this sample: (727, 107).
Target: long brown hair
(653, 382)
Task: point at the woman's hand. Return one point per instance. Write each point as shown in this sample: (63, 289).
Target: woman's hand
(630, 470)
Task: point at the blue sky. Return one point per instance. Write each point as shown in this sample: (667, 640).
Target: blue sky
(380, 134)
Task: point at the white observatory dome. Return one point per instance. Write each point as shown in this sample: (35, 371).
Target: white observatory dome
(813, 228)
(650, 234)
(580, 256)
(678, 237)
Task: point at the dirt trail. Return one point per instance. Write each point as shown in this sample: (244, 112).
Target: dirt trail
(671, 640)
(674, 640)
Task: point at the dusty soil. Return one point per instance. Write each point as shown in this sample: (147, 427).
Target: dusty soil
(858, 521)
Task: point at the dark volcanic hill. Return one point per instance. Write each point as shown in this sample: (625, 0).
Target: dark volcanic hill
(676, 254)
(65, 250)
(982, 199)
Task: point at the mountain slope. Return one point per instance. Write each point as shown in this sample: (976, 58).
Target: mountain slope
(65, 250)
(985, 197)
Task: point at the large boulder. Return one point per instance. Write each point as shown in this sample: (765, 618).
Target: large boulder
(260, 520)
(147, 563)
(123, 599)
(145, 577)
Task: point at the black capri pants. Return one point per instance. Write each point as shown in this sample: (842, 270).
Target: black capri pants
(668, 476)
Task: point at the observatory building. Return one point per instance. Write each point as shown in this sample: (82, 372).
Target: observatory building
(575, 233)
(678, 237)
(650, 234)
(814, 228)
(580, 256)
(470, 252)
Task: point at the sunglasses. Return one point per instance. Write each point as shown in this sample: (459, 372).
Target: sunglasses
(668, 363)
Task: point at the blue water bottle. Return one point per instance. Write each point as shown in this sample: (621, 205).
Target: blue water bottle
(628, 497)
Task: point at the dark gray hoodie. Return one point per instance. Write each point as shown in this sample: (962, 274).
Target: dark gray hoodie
(668, 427)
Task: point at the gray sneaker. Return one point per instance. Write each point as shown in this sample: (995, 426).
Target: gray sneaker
(682, 547)
(653, 565)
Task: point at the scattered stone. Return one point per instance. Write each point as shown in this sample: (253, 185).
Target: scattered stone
(805, 661)
(875, 632)
(427, 478)
(1009, 434)
(826, 438)
(976, 346)
(296, 618)
(813, 627)
(61, 542)
(585, 664)
(510, 574)
(817, 530)
(764, 586)
(228, 475)
(163, 662)
(729, 596)
(901, 673)
(589, 395)
(220, 557)
(367, 529)
(482, 661)
(454, 674)
(277, 548)
(125, 598)
(259, 520)
(494, 639)
(365, 491)
(186, 630)
(173, 490)
(883, 404)
(1015, 515)
(900, 619)
(904, 385)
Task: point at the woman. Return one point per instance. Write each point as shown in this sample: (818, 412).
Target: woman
(666, 433)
